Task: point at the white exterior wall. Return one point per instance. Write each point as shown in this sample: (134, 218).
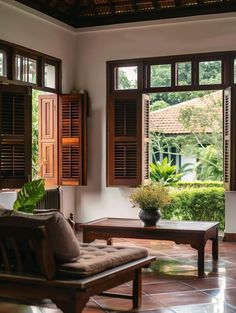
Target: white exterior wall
(182, 36)
(25, 29)
(188, 160)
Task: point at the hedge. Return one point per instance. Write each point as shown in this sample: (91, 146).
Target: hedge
(197, 184)
(197, 204)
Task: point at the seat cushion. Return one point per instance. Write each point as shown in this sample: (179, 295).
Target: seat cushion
(97, 258)
(63, 241)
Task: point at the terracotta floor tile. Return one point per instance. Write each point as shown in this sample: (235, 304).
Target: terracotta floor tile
(166, 287)
(182, 298)
(226, 295)
(211, 283)
(204, 308)
(118, 305)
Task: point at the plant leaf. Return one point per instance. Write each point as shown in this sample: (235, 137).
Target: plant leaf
(30, 194)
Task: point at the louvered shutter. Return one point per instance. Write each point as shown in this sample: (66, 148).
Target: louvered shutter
(72, 139)
(229, 138)
(128, 148)
(48, 138)
(146, 150)
(16, 136)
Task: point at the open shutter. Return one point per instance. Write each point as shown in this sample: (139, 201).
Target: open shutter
(72, 139)
(127, 149)
(230, 138)
(48, 138)
(16, 135)
(145, 137)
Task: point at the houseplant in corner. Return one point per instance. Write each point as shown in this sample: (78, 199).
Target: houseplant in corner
(29, 195)
(150, 199)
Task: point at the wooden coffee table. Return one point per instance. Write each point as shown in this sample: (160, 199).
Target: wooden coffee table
(195, 234)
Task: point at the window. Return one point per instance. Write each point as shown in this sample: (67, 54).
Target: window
(3, 63)
(207, 67)
(127, 144)
(183, 73)
(62, 121)
(26, 69)
(161, 75)
(126, 77)
(50, 75)
(30, 68)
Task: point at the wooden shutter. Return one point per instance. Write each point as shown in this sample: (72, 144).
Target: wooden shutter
(230, 138)
(126, 147)
(48, 138)
(145, 137)
(72, 139)
(16, 135)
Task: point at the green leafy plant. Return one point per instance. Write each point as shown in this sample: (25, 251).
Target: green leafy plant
(164, 173)
(153, 196)
(29, 195)
(197, 204)
(197, 184)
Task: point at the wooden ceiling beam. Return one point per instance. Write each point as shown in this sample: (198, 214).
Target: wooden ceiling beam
(112, 6)
(134, 5)
(74, 16)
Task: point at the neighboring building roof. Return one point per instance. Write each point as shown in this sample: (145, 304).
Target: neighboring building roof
(167, 120)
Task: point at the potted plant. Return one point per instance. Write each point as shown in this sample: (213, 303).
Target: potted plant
(29, 195)
(150, 199)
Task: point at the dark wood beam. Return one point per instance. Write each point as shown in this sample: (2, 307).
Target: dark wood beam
(179, 3)
(156, 4)
(159, 14)
(111, 5)
(134, 5)
(46, 9)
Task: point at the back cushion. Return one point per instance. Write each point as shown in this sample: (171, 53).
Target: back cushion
(63, 241)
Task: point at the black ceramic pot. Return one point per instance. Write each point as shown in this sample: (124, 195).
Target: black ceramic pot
(150, 217)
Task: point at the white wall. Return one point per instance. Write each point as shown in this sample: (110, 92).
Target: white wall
(202, 34)
(24, 28)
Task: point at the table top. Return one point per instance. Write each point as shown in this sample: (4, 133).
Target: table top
(162, 225)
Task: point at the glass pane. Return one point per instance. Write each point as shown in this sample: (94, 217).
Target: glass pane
(26, 69)
(161, 75)
(49, 75)
(32, 71)
(184, 73)
(210, 72)
(126, 78)
(3, 61)
(18, 67)
(234, 71)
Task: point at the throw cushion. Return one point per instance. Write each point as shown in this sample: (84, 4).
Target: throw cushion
(97, 258)
(63, 241)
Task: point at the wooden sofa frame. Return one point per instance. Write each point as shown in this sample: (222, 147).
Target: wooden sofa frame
(29, 273)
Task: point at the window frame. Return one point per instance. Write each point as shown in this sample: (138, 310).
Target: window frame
(227, 79)
(12, 50)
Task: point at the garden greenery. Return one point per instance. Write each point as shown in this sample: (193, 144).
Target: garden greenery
(197, 204)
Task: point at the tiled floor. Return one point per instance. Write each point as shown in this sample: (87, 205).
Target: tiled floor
(171, 284)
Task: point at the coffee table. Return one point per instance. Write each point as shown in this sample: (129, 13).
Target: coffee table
(195, 234)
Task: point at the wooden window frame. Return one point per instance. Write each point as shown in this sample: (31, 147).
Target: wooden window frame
(227, 80)
(12, 50)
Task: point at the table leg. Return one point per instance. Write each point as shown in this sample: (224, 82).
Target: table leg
(201, 259)
(215, 245)
(215, 248)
